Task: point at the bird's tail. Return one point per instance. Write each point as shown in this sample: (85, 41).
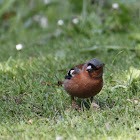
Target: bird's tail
(59, 82)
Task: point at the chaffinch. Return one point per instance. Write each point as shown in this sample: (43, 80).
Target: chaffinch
(84, 81)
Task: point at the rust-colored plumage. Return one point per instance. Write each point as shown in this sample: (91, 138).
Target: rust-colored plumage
(84, 80)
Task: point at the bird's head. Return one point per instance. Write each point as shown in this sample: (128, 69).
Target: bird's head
(95, 68)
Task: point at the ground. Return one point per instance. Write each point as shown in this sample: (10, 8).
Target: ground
(55, 36)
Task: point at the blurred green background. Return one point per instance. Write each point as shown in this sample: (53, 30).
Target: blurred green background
(35, 25)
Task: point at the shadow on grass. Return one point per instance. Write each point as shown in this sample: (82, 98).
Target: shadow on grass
(87, 104)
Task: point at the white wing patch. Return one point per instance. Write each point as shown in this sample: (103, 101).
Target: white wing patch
(71, 73)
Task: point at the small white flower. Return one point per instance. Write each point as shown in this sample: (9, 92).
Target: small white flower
(43, 22)
(75, 20)
(115, 5)
(60, 22)
(19, 47)
(47, 1)
(59, 137)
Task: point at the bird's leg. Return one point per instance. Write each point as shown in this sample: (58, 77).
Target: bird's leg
(73, 104)
(94, 105)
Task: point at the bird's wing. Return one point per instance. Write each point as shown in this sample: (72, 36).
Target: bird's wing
(74, 71)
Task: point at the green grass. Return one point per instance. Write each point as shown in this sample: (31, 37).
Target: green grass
(32, 110)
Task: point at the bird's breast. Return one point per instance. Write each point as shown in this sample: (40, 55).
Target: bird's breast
(83, 87)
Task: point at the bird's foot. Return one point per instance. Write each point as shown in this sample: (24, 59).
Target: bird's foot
(75, 106)
(95, 106)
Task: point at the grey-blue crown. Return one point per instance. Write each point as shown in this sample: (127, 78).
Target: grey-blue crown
(96, 62)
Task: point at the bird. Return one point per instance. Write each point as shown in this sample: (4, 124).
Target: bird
(84, 81)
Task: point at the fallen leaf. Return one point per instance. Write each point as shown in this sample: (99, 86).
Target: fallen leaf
(107, 126)
(30, 121)
(48, 84)
(44, 83)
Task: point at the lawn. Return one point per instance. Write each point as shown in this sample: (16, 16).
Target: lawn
(56, 35)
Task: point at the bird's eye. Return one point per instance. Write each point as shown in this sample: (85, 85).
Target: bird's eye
(96, 68)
